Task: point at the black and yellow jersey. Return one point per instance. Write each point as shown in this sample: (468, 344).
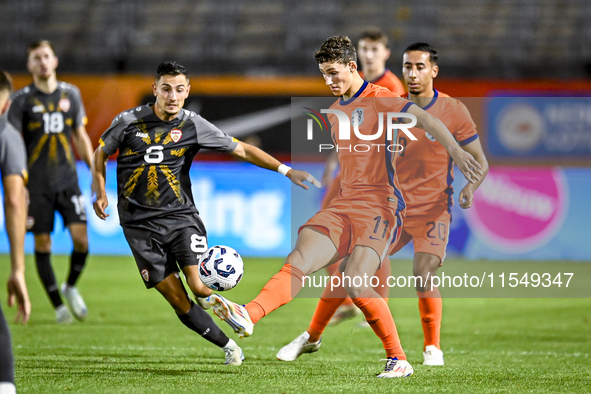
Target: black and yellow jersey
(154, 160)
(47, 122)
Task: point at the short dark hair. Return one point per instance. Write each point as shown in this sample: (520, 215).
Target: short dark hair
(336, 49)
(424, 47)
(39, 43)
(376, 35)
(171, 68)
(5, 82)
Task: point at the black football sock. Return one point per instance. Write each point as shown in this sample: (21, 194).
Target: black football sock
(6, 359)
(77, 262)
(199, 321)
(47, 276)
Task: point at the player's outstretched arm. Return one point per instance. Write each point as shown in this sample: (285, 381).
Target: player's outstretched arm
(259, 158)
(467, 194)
(15, 208)
(83, 144)
(99, 176)
(467, 164)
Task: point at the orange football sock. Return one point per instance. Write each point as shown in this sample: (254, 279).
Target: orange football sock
(430, 307)
(383, 273)
(327, 306)
(278, 291)
(380, 319)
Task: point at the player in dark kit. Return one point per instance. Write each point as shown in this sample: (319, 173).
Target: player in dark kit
(13, 164)
(50, 113)
(156, 146)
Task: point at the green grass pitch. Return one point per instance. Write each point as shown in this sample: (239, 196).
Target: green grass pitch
(133, 343)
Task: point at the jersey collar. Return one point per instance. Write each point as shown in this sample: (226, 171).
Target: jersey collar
(345, 102)
(431, 103)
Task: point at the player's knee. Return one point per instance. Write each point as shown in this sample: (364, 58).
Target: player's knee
(426, 272)
(296, 259)
(43, 243)
(353, 291)
(80, 245)
(80, 242)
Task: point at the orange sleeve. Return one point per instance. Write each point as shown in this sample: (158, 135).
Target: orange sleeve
(464, 128)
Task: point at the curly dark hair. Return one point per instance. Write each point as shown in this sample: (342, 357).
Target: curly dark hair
(171, 68)
(337, 49)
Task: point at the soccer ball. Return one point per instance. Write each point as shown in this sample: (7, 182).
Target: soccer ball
(221, 268)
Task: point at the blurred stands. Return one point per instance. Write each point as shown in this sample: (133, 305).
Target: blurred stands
(483, 38)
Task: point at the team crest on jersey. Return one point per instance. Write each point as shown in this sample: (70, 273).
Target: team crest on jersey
(176, 135)
(145, 274)
(357, 113)
(64, 104)
(429, 136)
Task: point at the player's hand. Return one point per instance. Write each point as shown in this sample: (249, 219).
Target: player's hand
(298, 177)
(469, 166)
(466, 196)
(17, 291)
(99, 206)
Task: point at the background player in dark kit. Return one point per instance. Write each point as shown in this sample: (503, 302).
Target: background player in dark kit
(50, 114)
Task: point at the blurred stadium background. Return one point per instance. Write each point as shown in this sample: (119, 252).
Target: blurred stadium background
(523, 68)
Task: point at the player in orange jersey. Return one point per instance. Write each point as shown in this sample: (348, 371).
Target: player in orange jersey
(373, 53)
(348, 227)
(425, 172)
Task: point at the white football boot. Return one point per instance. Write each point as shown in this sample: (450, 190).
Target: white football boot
(432, 356)
(204, 302)
(396, 369)
(233, 314)
(63, 315)
(75, 301)
(297, 347)
(234, 355)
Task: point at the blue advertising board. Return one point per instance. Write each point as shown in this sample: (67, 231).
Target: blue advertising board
(241, 205)
(518, 213)
(549, 127)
